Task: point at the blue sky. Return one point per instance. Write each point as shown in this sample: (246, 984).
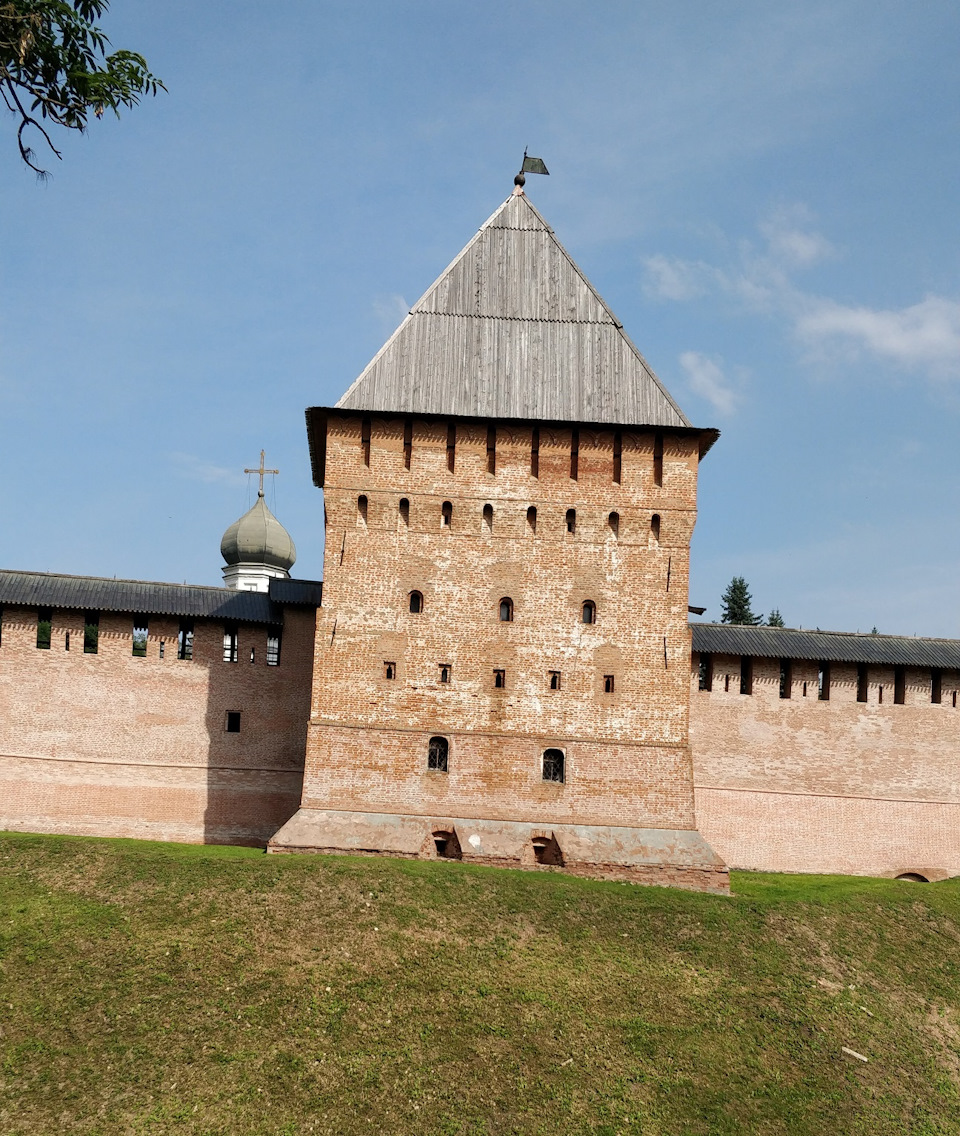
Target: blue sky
(765, 194)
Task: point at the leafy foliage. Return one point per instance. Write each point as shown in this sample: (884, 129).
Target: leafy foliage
(53, 63)
(775, 619)
(736, 601)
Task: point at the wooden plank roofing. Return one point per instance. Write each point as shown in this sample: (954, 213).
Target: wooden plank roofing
(514, 330)
(826, 646)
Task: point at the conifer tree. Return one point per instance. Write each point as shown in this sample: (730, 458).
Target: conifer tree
(775, 619)
(736, 604)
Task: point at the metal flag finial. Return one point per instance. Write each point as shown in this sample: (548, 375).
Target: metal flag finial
(529, 166)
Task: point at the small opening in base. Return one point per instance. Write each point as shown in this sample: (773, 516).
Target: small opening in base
(913, 877)
(447, 846)
(546, 850)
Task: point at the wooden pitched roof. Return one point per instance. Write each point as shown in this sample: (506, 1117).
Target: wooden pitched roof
(514, 330)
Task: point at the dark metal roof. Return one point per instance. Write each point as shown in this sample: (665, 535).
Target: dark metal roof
(829, 646)
(94, 593)
(306, 593)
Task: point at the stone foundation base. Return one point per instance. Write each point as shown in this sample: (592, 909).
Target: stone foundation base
(665, 857)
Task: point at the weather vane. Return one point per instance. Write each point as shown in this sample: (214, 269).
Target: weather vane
(530, 166)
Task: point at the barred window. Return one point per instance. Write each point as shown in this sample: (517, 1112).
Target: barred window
(437, 754)
(553, 765)
(273, 648)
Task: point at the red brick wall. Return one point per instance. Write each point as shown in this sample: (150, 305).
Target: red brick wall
(118, 745)
(627, 752)
(801, 784)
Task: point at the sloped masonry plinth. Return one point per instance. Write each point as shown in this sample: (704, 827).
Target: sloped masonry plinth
(674, 857)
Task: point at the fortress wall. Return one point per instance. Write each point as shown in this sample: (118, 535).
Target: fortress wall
(804, 784)
(116, 745)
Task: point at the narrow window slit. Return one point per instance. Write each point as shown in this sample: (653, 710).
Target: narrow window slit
(608, 684)
(404, 511)
(532, 518)
(491, 449)
(365, 440)
(554, 677)
(617, 457)
(446, 514)
(499, 679)
(506, 610)
(936, 687)
(823, 682)
(588, 613)
(44, 627)
(535, 453)
(571, 520)
(746, 674)
(899, 686)
(140, 632)
(362, 508)
(451, 446)
(614, 522)
(416, 602)
(488, 518)
(389, 670)
(658, 459)
(407, 443)
(862, 684)
(574, 455)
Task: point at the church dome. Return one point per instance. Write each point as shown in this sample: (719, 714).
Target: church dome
(258, 538)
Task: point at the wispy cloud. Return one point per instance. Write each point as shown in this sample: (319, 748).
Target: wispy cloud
(390, 311)
(196, 469)
(705, 377)
(922, 337)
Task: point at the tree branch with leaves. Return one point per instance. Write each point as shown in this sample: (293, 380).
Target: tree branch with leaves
(54, 69)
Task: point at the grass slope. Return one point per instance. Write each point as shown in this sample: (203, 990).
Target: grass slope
(149, 988)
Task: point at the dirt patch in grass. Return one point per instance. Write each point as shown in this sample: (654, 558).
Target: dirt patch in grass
(154, 988)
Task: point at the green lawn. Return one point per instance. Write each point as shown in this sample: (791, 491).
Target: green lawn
(150, 988)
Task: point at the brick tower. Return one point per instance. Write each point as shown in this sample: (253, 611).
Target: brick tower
(502, 654)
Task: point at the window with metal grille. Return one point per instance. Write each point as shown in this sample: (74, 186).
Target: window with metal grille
(185, 639)
(231, 644)
(437, 754)
(553, 765)
(273, 648)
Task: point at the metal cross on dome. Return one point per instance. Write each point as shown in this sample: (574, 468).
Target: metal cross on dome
(261, 471)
